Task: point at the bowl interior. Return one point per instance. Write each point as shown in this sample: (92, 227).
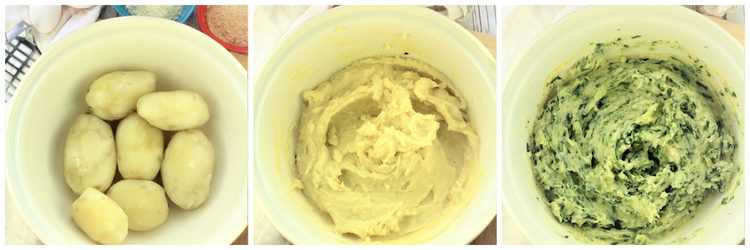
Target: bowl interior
(566, 42)
(328, 43)
(52, 95)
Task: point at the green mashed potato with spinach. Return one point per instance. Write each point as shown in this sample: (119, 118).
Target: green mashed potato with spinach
(627, 147)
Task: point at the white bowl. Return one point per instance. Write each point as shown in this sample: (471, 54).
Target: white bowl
(328, 43)
(564, 43)
(52, 94)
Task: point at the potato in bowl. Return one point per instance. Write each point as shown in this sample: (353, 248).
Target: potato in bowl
(53, 93)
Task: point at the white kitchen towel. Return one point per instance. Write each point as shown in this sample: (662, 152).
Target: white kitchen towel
(57, 22)
(73, 18)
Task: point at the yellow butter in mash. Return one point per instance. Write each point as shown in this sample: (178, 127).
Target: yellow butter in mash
(385, 147)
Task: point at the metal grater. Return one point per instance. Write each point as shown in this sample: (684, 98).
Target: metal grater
(19, 55)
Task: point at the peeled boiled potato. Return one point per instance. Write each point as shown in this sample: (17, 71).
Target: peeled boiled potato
(143, 201)
(114, 95)
(173, 110)
(89, 155)
(188, 168)
(100, 217)
(140, 148)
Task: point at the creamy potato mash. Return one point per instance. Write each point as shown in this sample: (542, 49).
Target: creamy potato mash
(385, 147)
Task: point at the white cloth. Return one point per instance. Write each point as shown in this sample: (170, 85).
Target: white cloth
(714, 10)
(63, 20)
(72, 19)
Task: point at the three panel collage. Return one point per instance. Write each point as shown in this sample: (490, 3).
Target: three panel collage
(349, 124)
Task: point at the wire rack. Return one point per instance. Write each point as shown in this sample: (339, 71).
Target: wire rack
(19, 55)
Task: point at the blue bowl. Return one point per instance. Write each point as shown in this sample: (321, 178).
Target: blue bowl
(187, 11)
